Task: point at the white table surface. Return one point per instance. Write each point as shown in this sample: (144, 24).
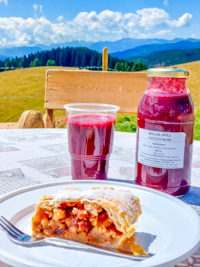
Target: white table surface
(32, 156)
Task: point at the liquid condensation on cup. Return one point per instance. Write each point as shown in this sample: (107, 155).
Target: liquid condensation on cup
(90, 141)
(165, 129)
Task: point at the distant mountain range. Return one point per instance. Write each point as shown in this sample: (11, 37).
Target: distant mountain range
(147, 51)
(18, 51)
(2, 57)
(168, 57)
(113, 47)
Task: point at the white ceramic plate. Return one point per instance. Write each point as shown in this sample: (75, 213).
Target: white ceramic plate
(168, 227)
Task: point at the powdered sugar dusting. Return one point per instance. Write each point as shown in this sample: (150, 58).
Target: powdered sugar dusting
(122, 200)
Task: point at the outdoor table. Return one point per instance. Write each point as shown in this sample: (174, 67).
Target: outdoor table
(32, 156)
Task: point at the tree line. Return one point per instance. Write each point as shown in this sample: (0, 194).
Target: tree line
(80, 57)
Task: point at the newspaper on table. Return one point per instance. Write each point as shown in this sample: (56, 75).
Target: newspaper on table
(33, 156)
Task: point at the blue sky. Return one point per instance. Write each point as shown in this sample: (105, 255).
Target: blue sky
(31, 22)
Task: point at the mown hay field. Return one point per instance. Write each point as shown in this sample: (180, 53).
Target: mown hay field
(23, 89)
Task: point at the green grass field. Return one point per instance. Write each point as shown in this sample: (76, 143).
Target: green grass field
(127, 123)
(23, 89)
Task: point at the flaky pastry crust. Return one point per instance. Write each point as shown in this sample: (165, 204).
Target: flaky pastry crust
(100, 215)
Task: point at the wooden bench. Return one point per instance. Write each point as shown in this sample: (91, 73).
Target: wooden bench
(123, 89)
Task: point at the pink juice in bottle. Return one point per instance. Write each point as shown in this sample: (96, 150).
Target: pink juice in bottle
(165, 129)
(90, 140)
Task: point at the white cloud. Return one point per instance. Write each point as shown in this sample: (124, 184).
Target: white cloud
(194, 36)
(157, 34)
(152, 17)
(146, 18)
(183, 21)
(4, 1)
(105, 22)
(37, 8)
(88, 26)
(60, 18)
(165, 3)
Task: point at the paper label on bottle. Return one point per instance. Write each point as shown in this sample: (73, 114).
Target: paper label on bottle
(161, 149)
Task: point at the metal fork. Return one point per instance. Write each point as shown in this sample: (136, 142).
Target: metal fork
(24, 239)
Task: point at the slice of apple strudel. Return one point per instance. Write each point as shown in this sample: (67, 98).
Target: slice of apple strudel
(100, 216)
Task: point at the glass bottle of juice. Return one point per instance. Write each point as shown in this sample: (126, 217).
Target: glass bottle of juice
(165, 128)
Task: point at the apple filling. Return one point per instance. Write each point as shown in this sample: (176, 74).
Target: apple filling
(85, 222)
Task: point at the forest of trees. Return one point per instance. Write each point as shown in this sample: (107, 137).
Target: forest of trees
(70, 57)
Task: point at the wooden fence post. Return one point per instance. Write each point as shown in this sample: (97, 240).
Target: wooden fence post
(105, 59)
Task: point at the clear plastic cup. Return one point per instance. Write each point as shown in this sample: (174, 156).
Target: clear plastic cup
(91, 130)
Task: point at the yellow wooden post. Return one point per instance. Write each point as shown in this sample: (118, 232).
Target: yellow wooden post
(105, 59)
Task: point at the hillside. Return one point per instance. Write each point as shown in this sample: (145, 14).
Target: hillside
(194, 81)
(23, 89)
(168, 57)
(147, 49)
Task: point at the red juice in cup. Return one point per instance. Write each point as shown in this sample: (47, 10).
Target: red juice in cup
(90, 139)
(165, 133)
